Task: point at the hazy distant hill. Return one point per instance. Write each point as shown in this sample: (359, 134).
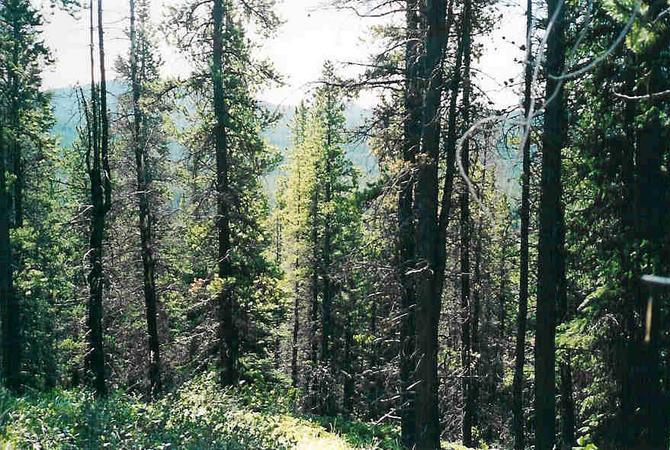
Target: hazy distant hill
(65, 107)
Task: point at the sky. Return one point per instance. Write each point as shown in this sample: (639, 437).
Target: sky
(310, 35)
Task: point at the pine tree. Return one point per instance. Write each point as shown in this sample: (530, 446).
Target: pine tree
(22, 57)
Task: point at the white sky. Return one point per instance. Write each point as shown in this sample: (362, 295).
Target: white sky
(310, 35)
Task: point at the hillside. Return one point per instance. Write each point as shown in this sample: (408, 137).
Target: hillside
(65, 108)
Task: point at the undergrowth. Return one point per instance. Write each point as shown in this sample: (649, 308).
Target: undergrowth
(199, 415)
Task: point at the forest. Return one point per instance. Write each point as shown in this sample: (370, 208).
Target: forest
(192, 267)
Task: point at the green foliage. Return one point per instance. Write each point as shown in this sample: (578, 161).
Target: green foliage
(200, 415)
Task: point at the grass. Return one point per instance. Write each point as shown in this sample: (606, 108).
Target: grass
(199, 415)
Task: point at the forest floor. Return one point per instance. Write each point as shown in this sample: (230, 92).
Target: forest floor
(199, 415)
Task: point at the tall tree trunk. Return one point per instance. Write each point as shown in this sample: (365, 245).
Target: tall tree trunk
(428, 301)
(650, 426)
(11, 328)
(227, 327)
(630, 264)
(145, 218)
(520, 346)
(104, 118)
(412, 140)
(467, 318)
(95, 357)
(550, 243)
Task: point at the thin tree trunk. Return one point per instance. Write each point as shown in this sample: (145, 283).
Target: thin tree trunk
(104, 118)
(11, 328)
(145, 218)
(227, 327)
(520, 347)
(549, 245)
(467, 326)
(425, 208)
(412, 140)
(95, 357)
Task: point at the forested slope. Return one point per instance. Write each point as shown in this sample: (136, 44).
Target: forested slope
(183, 265)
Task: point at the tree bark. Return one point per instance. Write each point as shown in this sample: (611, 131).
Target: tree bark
(425, 209)
(95, 357)
(104, 118)
(651, 427)
(228, 339)
(550, 242)
(520, 346)
(144, 209)
(412, 140)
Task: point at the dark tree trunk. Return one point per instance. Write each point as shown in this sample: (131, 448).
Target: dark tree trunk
(550, 249)
(467, 327)
(104, 117)
(228, 336)
(412, 140)
(651, 426)
(11, 328)
(95, 357)
(428, 301)
(520, 344)
(145, 218)
(630, 267)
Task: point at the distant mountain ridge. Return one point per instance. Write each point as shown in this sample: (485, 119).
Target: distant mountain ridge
(66, 114)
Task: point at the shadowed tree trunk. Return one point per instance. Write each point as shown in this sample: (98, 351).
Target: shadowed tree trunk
(550, 251)
(100, 198)
(412, 138)
(428, 301)
(144, 208)
(650, 427)
(11, 334)
(228, 339)
(520, 346)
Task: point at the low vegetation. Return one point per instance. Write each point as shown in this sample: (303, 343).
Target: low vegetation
(200, 415)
